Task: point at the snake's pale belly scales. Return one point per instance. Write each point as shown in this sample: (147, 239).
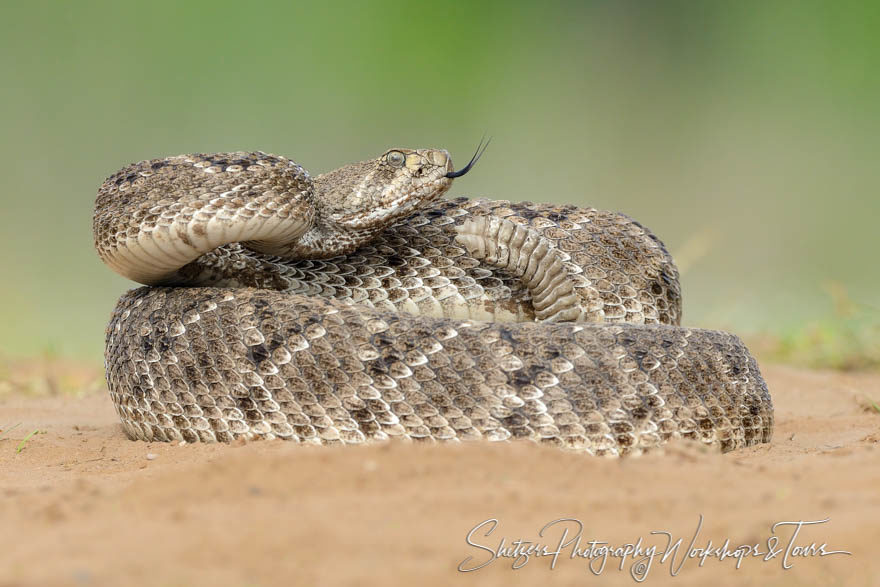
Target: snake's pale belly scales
(425, 333)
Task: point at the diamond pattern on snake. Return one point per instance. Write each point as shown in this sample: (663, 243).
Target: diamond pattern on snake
(359, 306)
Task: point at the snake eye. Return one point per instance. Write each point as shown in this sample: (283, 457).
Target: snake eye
(395, 159)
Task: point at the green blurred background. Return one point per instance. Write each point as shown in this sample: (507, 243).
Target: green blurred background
(744, 133)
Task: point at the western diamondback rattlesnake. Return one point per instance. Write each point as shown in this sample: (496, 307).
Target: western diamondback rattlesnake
(357, 306)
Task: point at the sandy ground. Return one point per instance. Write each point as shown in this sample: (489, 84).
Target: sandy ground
(82, 505)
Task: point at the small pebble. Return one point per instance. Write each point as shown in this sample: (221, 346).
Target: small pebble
(151, 456)
(181, 443)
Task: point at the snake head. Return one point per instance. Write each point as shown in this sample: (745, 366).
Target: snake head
(374, 194)
(356, 202)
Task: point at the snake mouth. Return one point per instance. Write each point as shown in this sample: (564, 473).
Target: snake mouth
(481, 148)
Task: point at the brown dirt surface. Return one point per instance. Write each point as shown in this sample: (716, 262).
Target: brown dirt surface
(82, 505)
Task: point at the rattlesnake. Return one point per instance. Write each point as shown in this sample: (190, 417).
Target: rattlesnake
(358, 306)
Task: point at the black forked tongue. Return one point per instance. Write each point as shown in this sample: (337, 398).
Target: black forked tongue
(481, 148)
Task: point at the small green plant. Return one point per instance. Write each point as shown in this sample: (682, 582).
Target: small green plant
(4, 431)
(21, 444)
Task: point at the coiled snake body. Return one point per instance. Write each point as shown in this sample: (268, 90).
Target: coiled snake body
(357, 306)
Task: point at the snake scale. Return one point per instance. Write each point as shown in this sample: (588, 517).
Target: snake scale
(358, 306)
